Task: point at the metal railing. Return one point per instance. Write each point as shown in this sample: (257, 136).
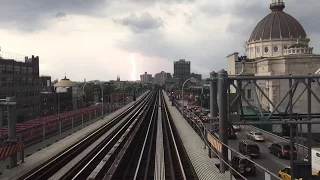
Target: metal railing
(202, 131)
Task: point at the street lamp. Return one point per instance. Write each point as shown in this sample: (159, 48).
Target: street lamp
(192, 78)
(98, 82)
(124, 92)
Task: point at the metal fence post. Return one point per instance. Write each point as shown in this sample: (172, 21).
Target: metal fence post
(60, 127)
(291, 129)
(309, 119)
(1, 124)
(82, 120)
(22, 150)
(72, 124)
(44, 134)
(223, 116)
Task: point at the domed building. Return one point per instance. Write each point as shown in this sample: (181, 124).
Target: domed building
(278, 45)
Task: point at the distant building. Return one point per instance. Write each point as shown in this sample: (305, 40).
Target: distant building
(48, 97)
(161, 77)
(181, 70)
(146, 78)
(70, 95)
(196, 76)
(19, 77)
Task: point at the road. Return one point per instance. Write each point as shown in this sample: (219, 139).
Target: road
(273, 163)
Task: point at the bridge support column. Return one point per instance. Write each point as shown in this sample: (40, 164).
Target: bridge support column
(12, 121)
(223, 117)
(213, 107)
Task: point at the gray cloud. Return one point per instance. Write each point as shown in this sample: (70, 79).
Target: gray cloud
(205, 54)
(140, 23)
(210, 53)
(30, 15)
(60, 15)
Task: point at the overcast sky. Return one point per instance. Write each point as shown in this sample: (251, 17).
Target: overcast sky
(98, 39)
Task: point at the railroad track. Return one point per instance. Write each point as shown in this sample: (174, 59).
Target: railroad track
(83, 156)
(141, 143)
(156, 151)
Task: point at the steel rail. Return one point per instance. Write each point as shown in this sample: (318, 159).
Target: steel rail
(145, 141)
(42, 170)
(126, 165)
(167, 122)
(106, 158)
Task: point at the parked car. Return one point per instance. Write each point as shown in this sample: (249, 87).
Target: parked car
(256, 136)
(282, 150)
(243, 166)
(249, 148)
(237, 127)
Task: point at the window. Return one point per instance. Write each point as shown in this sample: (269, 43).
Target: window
(2, 69)
(10, 93)
(36, 81)
(24, 105)
(275, 49)
(9, 81)
(17, 81)
(3, 95)
(3, 82)
(23, 70)
(16, 69)
(30, 81)
(30, 71)
(18, 93)
(9, 69)
(23, 81)
(258, 50)
(25, 93)
(266, 49)
(30, 93)
(249, 91)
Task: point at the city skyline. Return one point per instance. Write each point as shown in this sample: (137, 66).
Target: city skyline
(71, 38)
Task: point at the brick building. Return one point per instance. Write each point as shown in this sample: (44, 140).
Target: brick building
(21, 79)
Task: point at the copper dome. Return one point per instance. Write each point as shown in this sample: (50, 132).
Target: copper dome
(277, 24)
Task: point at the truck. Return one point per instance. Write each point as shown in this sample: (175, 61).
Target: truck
(315, 160)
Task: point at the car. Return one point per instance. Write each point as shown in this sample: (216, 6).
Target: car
(249, 148)
(256, 136)
(285, 174)
(242, 165)
(282, 150)
(237, 127)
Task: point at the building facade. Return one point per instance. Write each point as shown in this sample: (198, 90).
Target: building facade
(21, 79)
(196, 76)
(146, 78)
(181, 70)
(48, 97)
(161, 77)
(278, 45)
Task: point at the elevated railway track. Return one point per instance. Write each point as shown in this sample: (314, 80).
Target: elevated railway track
(140, 143)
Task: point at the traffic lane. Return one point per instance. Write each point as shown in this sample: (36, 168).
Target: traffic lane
(266, 160)
(260, 174)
